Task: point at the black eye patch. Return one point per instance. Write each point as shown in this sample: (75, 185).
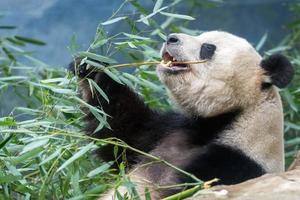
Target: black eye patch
(207, 51)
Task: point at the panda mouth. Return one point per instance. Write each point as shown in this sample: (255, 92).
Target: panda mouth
(172, 65)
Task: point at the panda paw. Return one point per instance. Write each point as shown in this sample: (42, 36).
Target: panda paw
(80, 69)
(83, 70)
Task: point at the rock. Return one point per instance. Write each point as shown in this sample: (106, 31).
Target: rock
(283, 186)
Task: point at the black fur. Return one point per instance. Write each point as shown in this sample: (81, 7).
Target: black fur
(229, 165)
(279, 69)
(207, 51)
(148, 130)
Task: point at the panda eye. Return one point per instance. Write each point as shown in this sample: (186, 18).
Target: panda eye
(207, 51)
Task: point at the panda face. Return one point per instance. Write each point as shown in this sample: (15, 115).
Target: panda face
(230, 79)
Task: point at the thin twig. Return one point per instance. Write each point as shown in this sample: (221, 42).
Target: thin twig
(137, 64)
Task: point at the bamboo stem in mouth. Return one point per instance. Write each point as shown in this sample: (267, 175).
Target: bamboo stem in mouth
(137, 64)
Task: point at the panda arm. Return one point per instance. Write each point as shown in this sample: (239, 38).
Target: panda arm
(129, 118)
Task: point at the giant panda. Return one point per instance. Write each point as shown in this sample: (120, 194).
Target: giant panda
(227, 121)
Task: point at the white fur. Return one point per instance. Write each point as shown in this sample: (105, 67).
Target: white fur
(231, 79)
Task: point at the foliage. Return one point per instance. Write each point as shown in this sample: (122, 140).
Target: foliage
(291, 95)
(43, 152)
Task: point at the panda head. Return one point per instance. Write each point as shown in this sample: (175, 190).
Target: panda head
(234, 75)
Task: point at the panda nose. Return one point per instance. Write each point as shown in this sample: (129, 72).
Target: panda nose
(172, 39)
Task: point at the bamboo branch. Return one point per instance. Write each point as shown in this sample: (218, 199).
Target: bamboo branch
(137, 64)
(101, 67)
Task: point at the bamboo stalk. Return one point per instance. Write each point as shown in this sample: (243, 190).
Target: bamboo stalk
(191, 191)
(137, 64)
(184, 194)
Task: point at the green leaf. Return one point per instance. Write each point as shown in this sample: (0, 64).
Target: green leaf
(102, 93)
(127, 82)
(13, 78)
(7, 121)
(9, 54)
(97, 57)
(30, 154)
(101, 119)
(186, 17)
(157, 5)
(5, 141)
(277, 49)
(116, 150)
(8, 27)
(52, 156)
(136, 36)
(76, 156)
(111, 21)
(147, 194)
(290, 99)
(73, 46)
(15, 41)
(132, 78)
(56, 80)
(261, 42)
(30, 40)
(35, 144)
(99, 43)
(9, 178)
(94, 64)
(112, 75)
(75, 184)
(292, 142)
(88, 105)
(95, 191)
(152, 14)
(55, 89)
(100, 169)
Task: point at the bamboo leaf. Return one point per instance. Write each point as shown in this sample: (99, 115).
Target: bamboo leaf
(52, 156)
(7, 121)
(157, 5)
(30, 40)
(100, 169)
(13, 78)
(76, 156)
(95, 64)
(112, 75)
(152, 14)
(30, 154)
(8, 27)
(97, 57)
(179, 16)
(5, 141)
(261, 42)
(290, 100)
(34, 145)
(111, 21)
(92, 108)
(136, 36)
(9, 178)
(9, 54)
(101, 92)
(99, 43)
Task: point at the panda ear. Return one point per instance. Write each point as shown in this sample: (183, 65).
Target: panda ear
(279, 69)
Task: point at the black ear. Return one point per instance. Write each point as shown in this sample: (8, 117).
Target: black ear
(279, 69)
